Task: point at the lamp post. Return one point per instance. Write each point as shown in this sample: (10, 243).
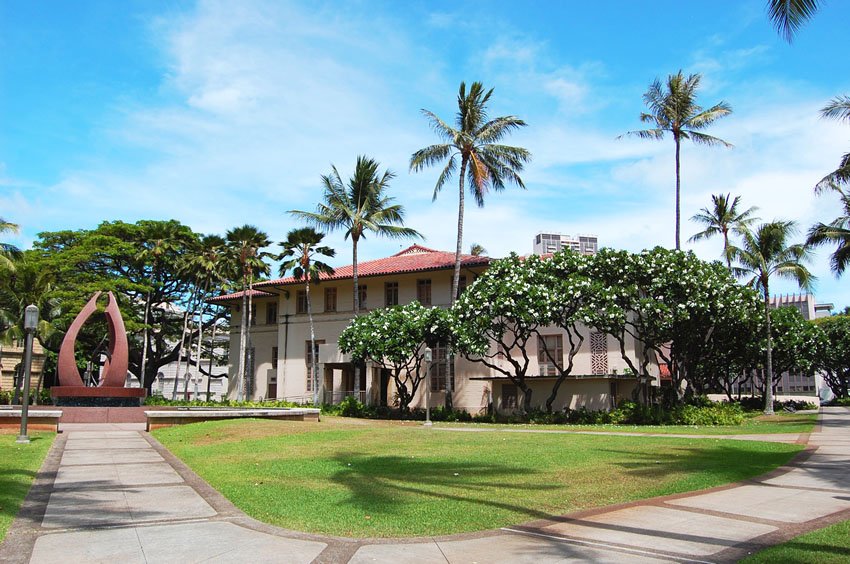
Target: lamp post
(428, 357)
(30, 323)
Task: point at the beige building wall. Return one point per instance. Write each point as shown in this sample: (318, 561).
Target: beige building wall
(13, 354)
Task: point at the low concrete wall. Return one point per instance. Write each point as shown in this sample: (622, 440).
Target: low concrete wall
(162, 418)
(37, 419)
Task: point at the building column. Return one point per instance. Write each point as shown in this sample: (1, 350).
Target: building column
(370, 383)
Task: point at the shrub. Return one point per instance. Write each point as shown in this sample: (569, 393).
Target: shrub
(715, 414)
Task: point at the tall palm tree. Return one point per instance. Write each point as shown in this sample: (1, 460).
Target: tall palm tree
(358, 206)
(477, 250)
(299, 252)
(244, 250)
(8, 253)
(474, 140)
(673, 109)
(722, 218)
(764, 254)
(837, 232)
(788, 16)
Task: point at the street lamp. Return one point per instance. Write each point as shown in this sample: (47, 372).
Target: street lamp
(428, 357)
(30, 323)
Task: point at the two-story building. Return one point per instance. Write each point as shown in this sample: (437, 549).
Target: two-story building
(281, 352)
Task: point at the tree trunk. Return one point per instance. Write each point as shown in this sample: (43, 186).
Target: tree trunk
(240, 369)
(179, 355)
(314, 375)
(354, 238)
(678, 187)
(768, 388)
(726, 249)
(526, 399)
(145, 334)
(248, 343)
(189, 348)
(212, 349)
(456, 279)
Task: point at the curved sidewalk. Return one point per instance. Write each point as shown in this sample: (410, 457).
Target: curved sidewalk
(111, 493)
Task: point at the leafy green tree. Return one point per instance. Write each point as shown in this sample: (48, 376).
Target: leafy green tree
(721, 219)
(673, 109)
(764, 254)
(788, 16)
(108, 258)
(795, 342)
(833, 358)
(474, 141)
(245, 253)
(395, 338)
(300, 250)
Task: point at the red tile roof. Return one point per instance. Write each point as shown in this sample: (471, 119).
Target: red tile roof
(415, 258)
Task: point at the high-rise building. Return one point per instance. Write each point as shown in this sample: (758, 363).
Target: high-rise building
(546, 243)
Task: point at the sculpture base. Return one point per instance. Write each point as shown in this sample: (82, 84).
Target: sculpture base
(82, 396)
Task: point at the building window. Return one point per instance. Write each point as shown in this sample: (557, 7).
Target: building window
(308, 359)
(301, 301)
(423, 291)
(274, 358)
(271, 313)
(554, 344)
(330, 299)
(509, 396)
(391, 293)
(362, 295)
(461, 286)
(439, 367)
(598, 354)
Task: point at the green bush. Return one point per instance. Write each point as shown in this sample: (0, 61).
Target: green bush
(715, 414)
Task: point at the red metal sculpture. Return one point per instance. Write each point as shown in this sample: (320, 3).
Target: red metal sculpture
(114, 373)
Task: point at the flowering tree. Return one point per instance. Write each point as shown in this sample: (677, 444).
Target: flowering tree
(498, 317)
(833, 354)
(396, 338)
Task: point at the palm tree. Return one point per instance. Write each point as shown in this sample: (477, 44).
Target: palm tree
(837, 231)
(765, 253)
(722, 218)
(838, 108)
(477, 250)
(244, 249)
(673, 109)
(788, 16)
(8, 253)
(358, 206)
(299, 252)
(483, 161)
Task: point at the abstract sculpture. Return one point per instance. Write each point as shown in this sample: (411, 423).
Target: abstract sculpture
(71, 389)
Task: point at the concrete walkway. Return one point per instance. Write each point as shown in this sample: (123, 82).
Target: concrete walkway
(111, 493)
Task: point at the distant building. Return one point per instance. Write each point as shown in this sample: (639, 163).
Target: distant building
(11, 356)
(547, 243)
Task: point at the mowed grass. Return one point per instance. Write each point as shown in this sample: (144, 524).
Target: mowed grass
(18, 467)
(828, 545)
(756, 425)
(385, 479)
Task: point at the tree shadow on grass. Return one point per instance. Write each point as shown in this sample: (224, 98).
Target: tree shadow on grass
(385, 483)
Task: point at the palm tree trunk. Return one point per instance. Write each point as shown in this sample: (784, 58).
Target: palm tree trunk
(240, 369)
(314, 375)
(678, 188)
(179, 355)
(249, 357)
(456, 280)
(726, 249)
(768, 385)
(356, 386)
(145, 335)
(212, 350)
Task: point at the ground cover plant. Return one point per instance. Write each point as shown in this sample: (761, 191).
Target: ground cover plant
(830, 544)
(18, 467)
(386, 478)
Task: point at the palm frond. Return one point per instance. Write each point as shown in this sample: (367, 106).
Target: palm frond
(788, 16)
(703, 139)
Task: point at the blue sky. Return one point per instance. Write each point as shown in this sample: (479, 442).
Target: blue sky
(225, 113)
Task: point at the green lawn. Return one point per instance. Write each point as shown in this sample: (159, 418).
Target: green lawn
(371, 478)
(779, 423)
(18, 467)
(831, 544)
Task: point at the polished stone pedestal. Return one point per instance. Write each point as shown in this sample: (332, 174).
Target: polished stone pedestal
(83, 396)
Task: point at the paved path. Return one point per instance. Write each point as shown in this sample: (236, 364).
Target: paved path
(110, 493)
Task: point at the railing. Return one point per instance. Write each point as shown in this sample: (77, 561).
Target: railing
(338, 396)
